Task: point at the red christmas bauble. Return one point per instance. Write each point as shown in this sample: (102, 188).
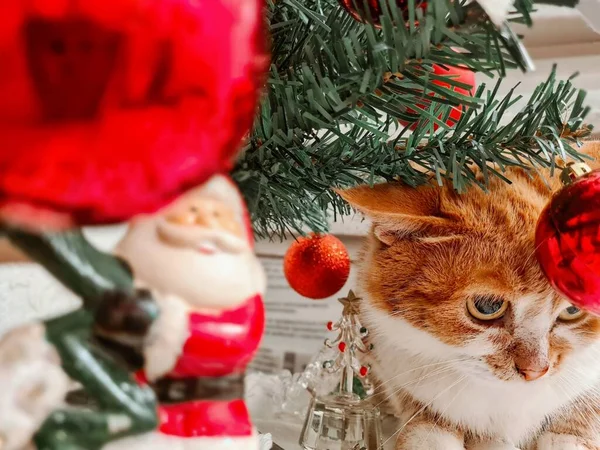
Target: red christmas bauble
(568, 242)
(457, 73)
(111, 108)
(317, 266)
(357, 9)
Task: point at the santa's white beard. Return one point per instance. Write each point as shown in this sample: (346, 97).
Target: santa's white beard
(220, 280)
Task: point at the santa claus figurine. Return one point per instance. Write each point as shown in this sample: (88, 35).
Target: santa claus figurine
(196, 258)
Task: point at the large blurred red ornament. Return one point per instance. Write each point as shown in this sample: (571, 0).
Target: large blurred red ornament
(460, 74)
(568, 241)
(374, 11)
(317, 266)
(110, 108)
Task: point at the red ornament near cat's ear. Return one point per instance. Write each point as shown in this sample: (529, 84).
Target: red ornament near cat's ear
(568, 238)
(113, 108)
(461, 74)
(317, 266)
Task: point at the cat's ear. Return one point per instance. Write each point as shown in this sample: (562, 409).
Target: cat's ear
(399, 211)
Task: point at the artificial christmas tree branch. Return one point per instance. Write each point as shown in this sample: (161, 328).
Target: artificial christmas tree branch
(338, 88)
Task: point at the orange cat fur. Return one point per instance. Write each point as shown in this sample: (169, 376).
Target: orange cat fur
(529, 379)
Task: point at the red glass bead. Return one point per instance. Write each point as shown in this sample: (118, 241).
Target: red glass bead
(356, 8)
(342, 347)
(364, 371)
(330, 326)
(461, 74)
(568, 242)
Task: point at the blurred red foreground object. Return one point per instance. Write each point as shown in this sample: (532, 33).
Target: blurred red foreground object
(111, 108)
(457, 73)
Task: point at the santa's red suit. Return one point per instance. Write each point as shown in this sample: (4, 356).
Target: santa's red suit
(217, 347)
(209, 287)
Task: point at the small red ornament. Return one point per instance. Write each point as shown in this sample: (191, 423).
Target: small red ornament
(330, 326)
(363, 371)
(113, 108)
(357, 9)
(342, 347)
(456, 73)
(317, 266)
(568, 239)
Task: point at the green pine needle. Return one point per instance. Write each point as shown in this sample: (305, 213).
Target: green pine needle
(338, 88)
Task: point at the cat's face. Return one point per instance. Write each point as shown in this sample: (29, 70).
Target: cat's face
(451, 276)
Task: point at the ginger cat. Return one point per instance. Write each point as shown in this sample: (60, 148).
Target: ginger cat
(472, 348)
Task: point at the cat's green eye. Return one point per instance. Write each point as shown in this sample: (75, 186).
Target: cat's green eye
(570, 313)
(487, 307)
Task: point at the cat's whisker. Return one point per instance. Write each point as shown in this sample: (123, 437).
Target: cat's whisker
(576, 402)
(399, 312)
(589, 333)
(423, 408)
(575, 408)
(430, 375)
(443, 413)
(561, 412)
(449, 362)
(578, 376)
(418, 380)
(532, 255)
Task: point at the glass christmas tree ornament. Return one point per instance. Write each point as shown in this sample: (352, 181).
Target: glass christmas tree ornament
(345, 419)
(338, 422)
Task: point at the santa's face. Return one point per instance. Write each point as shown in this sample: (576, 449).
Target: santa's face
(198, 250)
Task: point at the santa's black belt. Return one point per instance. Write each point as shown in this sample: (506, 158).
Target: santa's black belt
(178, 390)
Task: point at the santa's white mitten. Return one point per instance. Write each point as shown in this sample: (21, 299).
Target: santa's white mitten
(167, 337)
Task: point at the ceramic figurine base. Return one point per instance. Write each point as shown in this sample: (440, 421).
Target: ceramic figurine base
(159, 441)
(339, 422)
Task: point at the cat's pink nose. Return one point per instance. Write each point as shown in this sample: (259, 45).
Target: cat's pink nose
(532, 374)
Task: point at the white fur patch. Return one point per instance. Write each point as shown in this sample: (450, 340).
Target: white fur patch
(167, 336)
(429, 437)
(492, 445)
(552, 441)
